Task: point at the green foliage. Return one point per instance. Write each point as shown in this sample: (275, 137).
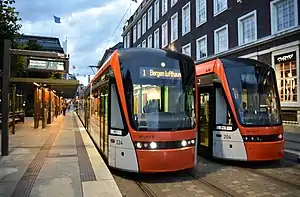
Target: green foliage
(17, 61)
(9, 18)
(33, 45)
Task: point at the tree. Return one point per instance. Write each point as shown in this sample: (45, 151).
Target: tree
(18, 61)
(9, 18)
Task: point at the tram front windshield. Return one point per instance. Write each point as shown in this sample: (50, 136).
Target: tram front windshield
(159, 91)
(254, 92)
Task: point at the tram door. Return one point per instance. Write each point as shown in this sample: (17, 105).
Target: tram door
(104, 119)
(206, 109)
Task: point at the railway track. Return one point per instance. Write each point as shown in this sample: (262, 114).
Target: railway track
(147, 191)
(218, 190)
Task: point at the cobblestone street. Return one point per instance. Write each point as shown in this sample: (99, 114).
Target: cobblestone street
(211, 178)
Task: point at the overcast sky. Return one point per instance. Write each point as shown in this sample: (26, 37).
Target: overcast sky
(87, 24)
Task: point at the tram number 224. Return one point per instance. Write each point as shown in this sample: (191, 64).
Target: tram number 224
(227, 137)
(119, 142)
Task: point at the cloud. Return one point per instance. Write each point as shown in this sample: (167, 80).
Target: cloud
(87, 24)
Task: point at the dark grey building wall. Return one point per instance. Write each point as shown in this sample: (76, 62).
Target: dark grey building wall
(230, 17)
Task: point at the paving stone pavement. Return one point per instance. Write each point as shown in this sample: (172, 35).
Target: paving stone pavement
(282, 170)
(241, 181)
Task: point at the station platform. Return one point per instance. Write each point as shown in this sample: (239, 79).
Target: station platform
(59, 160)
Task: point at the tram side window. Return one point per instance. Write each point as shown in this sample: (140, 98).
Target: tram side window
(223, 116)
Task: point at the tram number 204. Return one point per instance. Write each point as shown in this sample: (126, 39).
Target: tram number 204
(227, 137)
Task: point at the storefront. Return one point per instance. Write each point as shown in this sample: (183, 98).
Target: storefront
(286, 63)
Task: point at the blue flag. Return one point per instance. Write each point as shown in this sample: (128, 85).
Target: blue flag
(56, 19)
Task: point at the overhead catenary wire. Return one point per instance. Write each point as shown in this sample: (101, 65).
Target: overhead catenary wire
(116, 29)
(112, 36)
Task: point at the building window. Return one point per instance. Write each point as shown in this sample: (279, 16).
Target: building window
(144, 24)
(138, 46)
(150, 17)
(139, 29)
(156, 11)
(219, 6)
(174, 27)
(201, 47)
(164, 32)
(164, 5)
(128, 40)
(186, 22)
(247, 28)
(284, 15)
(144, 44)
(221, 39)
(287, 78)
(134, 34)
(173, 2)
(156, 39)
(125, 41)
(150, 41)
(186, 49)
(200, 12)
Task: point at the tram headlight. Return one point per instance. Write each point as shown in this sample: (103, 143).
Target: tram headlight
(193, 141)
(153, 145)
(280, 136)
(139, 145)
(183, 143)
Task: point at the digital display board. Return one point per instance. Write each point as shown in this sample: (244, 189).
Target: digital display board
(159, 73)
(46, 65)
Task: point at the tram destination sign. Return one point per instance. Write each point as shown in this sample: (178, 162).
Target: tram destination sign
(46, 65)
(159, 73)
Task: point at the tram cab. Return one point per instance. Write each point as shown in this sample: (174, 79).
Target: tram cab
(239, 110)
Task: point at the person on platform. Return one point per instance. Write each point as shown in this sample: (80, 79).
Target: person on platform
(64, 108)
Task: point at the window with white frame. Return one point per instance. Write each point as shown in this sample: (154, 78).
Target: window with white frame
(150, 17)
(139, 29)
(174, 27)
(221, 39)
(201, 47)
(186, 49)
(164, 5)
(284, 15)
(200, 12)
(138, 46)
(144, 44)
(125, 41)
(156, 38)
(150, 41)
(156, 11)
(186, 20)
(164, 32)
(247, 28)
(144, 24)
(219, 6)
(287, 75)
(128, 40)
(173, 2)
(134, 34)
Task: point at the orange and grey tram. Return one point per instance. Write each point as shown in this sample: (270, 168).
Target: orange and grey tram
(239, 110)
(140, 110)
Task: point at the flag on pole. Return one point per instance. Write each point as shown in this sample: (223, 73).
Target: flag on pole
(56, 19)
(74, 67)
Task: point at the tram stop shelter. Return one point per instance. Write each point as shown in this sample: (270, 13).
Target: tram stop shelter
(48, 93)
